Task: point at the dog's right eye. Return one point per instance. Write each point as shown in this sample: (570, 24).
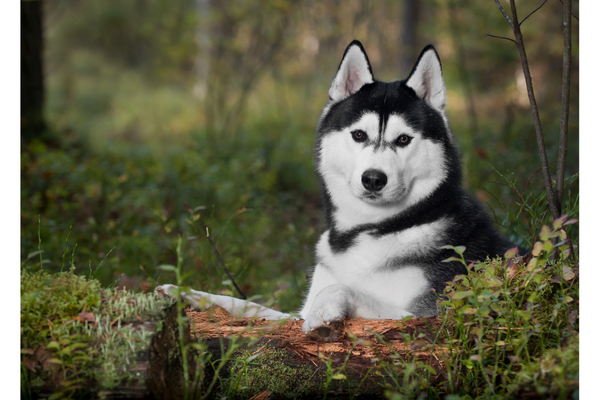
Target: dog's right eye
(359, 136)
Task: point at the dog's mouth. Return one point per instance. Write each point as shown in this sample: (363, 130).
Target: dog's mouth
(378, 198)
(373, 198)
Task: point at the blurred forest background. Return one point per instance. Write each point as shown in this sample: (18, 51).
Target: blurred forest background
(161, 118)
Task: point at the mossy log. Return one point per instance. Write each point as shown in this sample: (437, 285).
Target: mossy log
(268, 359)
(153, 370)
(274, 359)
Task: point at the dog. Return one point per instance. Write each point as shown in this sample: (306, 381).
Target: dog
(390, 176)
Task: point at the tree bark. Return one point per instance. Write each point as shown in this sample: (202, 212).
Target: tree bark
(534, 111)
(566, 94)
(32, 70)
(410, 23)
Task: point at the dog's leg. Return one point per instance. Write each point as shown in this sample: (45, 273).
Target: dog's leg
(242, 308)
(337, 302)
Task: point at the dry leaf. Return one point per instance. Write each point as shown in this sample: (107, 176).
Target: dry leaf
(568, 273)
(85, 316)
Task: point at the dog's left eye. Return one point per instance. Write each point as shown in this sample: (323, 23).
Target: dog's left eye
(359, 136)
(403, 140)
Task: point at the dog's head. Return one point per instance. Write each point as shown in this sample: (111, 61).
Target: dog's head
(382, 147)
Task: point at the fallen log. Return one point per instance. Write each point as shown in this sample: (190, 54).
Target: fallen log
(128, 346)
(274, 359)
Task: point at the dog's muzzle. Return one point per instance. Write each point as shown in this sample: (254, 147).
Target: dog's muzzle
(374, 180)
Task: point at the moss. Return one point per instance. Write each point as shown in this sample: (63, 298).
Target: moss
(271, 370)
(554, 375)
(104, 346)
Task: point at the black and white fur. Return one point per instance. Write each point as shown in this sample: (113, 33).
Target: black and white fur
(390, 176)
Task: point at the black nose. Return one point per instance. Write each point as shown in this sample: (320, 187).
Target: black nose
(374, 180)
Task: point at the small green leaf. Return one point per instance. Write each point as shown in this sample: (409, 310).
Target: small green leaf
(252, 357)
(545, 233)
(511, 253)
(461, 295)
(493, 282)
(166, 267)
(338, 376)
(562, 235)
(532, 264)
(34, 253)
(537, 249)
(460, 249)
(559, 222)
(449, 259)
(53, 345)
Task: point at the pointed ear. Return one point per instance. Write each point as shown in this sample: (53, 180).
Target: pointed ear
(426, 79)
(353, 73)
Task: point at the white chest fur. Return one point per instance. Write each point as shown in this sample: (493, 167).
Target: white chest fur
(367, 265)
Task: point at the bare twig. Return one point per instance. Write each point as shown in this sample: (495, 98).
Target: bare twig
(505, 14)
(223, 265)
(574, 16)
(501, 37)
(531, 13)
(534, 111)
(522, 208)
(566, 92)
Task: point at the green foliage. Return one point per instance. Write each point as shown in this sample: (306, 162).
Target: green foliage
(57, 298)
(507, 330)
(73, 332)
(136, 203)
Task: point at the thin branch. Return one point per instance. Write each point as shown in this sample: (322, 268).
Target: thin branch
(223, 265)
(531, 13)
(566, 92)
(574, 16)
(536, 116)
(501, 37)
(522, 208)
(505, 14)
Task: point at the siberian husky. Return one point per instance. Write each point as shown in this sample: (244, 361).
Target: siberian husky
(390, 176)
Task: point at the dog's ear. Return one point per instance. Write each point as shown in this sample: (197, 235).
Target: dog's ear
(426, 79)
(353, 73)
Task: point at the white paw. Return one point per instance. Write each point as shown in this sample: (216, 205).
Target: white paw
(325, 319)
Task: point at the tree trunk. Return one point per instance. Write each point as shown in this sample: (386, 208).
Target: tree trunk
(410, 47)
(32, 71)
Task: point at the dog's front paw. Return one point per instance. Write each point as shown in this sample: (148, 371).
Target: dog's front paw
(324, 323)
(327, 332)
